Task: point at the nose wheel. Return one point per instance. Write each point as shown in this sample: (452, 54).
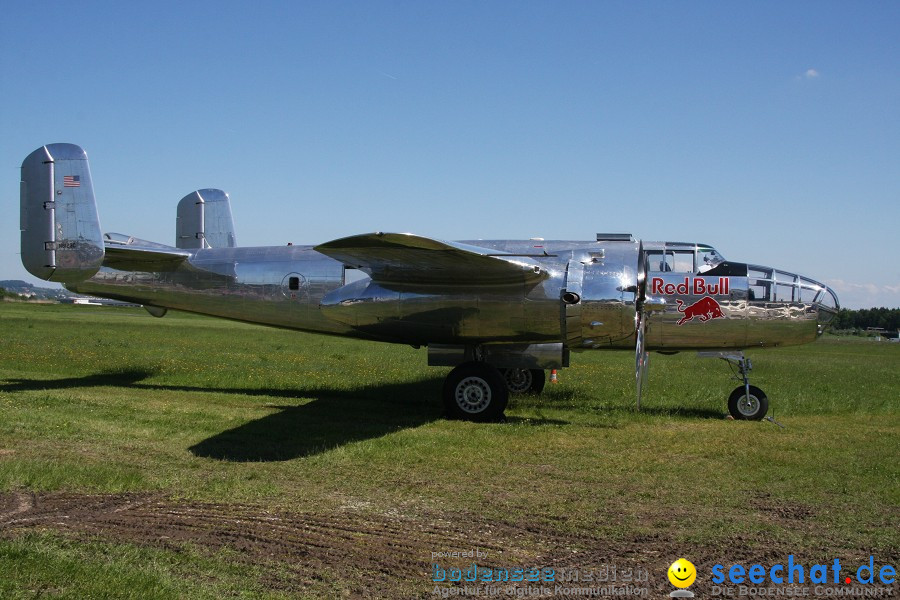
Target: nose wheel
(748, 402)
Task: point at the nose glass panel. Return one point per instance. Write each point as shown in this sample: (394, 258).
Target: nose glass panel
(771, 286)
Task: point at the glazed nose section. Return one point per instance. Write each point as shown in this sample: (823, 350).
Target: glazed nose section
(771, 287)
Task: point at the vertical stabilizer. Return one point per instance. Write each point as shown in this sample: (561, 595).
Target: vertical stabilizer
(204, 221)
(61, 238)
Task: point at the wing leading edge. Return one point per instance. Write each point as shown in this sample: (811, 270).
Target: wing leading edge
(404, 258)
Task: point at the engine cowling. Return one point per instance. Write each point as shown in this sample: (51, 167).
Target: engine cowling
(600, 297)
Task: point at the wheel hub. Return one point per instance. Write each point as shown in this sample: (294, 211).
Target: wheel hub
(518, 380)
(748, 405)
(473, 394)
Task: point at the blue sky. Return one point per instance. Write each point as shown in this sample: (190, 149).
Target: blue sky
(769, 129)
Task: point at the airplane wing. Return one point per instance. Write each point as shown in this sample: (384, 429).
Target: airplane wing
(130, 254)
(404, 258)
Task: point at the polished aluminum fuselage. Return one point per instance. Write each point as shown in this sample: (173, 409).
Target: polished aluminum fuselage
(510, 304)
(588, 300)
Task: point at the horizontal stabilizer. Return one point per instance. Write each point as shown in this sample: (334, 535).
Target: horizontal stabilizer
(403, 258)
(130, 254)
(61, 239)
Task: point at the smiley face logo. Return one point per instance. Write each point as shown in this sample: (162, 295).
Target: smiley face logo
(682, 573)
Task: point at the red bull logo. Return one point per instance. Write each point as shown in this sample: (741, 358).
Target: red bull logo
(698, 286)
(704, 309)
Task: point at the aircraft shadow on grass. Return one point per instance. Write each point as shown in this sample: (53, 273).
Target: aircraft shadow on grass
(683, 412)
(332, 418)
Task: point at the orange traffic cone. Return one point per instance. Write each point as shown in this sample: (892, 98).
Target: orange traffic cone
(553, 377)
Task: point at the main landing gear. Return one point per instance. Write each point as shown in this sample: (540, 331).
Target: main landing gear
(477, 391)
(747, 402)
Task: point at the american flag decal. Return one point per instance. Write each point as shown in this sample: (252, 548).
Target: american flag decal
(71, 181)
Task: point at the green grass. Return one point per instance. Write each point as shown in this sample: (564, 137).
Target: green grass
(42, 565)
(103, 400)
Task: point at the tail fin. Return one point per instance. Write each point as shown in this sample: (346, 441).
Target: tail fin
(61, 238)
(204, 221)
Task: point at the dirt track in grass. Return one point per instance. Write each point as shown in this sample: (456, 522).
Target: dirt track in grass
(372, 554)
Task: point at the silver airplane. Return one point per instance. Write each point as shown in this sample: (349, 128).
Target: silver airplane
(500, 312)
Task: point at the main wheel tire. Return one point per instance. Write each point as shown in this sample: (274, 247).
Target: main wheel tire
(752, 408)
(524, 381)
(475, 391)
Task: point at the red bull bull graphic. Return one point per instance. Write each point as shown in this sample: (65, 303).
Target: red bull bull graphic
(705, 309)
(698, 286)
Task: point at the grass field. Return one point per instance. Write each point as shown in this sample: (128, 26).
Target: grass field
(188, 457)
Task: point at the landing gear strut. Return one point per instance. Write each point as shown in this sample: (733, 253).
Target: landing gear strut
(747, 402)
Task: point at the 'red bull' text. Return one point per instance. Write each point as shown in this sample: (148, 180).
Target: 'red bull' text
(698, 286)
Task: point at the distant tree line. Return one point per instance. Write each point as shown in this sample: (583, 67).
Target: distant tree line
(886, 318)
(4, 293)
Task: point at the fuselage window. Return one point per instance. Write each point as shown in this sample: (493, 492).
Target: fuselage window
(293, 283)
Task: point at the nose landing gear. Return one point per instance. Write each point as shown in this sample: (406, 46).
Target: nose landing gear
(747, 402)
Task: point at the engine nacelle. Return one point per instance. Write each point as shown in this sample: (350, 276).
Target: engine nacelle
(599, 298)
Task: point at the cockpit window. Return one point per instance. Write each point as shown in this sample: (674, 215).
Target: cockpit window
(681, 261)
(677, 261)
(708, 258)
